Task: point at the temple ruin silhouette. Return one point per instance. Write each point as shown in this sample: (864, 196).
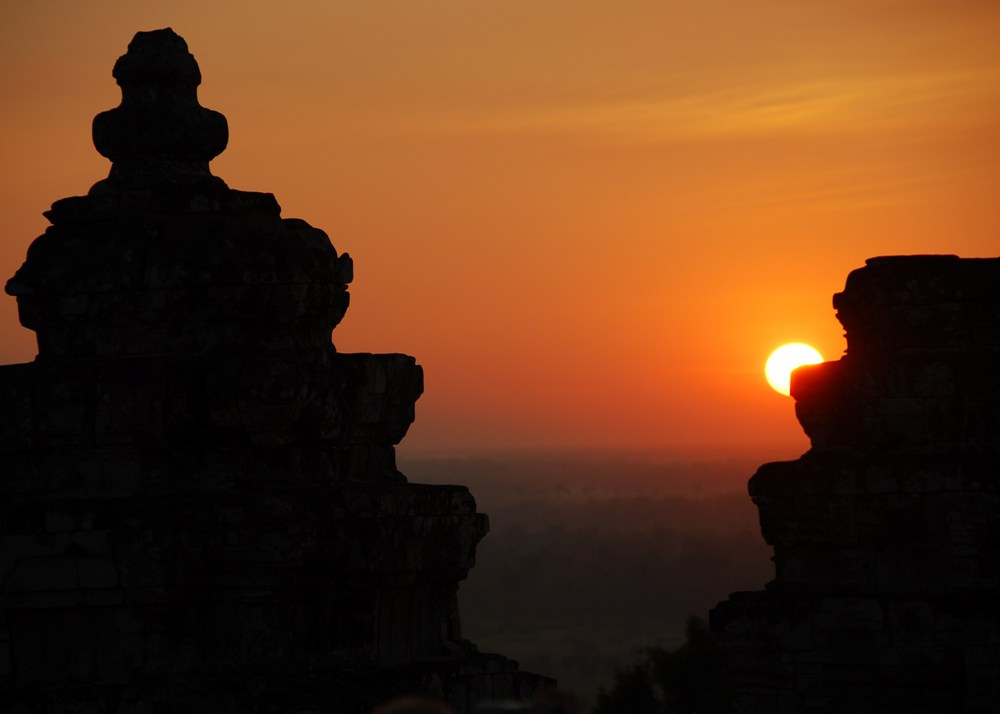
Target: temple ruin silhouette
(201, 510)
(886, 533)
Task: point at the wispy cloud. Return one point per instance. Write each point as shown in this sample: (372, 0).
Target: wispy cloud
(848, 104)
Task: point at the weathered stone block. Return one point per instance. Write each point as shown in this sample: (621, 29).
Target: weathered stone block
(200, 509)
(885, 534)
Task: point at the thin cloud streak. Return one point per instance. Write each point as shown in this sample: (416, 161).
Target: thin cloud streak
(848, 105)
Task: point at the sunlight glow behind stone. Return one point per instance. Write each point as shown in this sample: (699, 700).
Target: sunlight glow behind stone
(786, 358)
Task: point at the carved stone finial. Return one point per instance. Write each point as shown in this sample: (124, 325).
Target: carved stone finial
(159, 134)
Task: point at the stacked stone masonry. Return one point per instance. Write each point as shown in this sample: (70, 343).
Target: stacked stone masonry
(201, 510)
(886, 533)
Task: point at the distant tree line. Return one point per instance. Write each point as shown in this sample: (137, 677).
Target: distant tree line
(692, 679)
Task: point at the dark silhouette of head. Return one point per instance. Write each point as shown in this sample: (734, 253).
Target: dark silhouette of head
(554, 701)
(413, 705)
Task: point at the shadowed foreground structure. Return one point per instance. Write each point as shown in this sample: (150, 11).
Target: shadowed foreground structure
(886, 533)
(201, 510)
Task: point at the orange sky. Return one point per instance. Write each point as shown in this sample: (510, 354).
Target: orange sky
(590, 220)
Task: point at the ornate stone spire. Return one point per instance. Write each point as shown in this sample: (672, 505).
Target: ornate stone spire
(159, 134)
(162, 257)
(205, 513)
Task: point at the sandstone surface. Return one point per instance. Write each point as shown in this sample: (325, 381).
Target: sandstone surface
(200, 509)
(886, 533)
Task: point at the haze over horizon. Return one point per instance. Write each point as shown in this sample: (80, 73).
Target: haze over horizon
(590, 221)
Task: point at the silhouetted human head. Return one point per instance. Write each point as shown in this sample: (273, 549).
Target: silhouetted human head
(552, 701)
(413, 705)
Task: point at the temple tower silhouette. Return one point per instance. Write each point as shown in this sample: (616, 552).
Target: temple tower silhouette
(886, 533)
(201, 510)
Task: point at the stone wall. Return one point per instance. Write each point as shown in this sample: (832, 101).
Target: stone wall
(886, 533)
(200, 509)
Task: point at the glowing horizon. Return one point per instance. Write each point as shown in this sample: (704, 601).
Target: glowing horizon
(586, 221)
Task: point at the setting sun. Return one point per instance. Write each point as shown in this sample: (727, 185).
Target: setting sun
(786, 358)
(722, 166)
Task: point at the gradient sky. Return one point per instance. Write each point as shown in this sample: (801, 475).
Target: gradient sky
(589, 220)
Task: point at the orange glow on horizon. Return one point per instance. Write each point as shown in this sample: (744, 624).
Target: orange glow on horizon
(586, 223)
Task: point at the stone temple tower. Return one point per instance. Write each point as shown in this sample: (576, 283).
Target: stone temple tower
(886, 533)
(199, 505)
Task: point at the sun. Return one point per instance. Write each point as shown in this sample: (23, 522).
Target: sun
(783, 360)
